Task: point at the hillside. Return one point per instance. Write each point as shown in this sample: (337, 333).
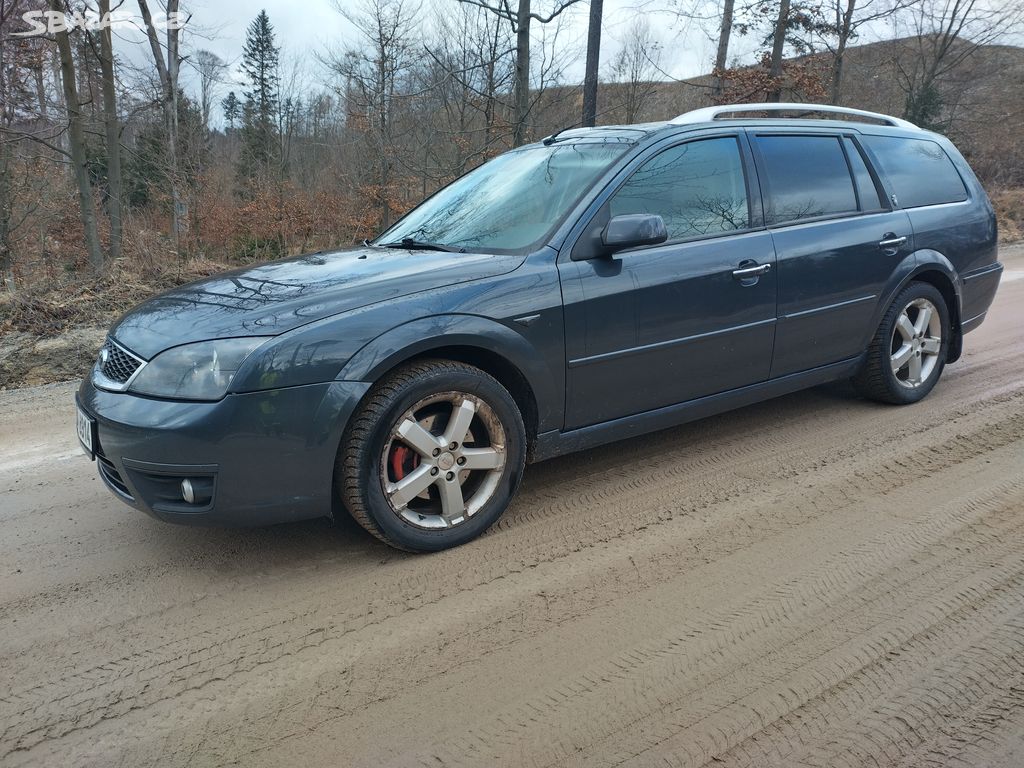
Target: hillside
(983, 101)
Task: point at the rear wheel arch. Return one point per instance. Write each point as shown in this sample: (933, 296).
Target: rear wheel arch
(945, 284)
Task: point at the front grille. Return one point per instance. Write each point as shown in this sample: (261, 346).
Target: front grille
(116, 364)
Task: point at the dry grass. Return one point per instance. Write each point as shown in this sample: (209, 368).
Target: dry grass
(83, 301)
(1009, 205)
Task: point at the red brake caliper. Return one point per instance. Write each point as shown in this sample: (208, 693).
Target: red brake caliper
(403, 461)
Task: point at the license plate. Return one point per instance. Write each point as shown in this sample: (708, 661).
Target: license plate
(86, 428)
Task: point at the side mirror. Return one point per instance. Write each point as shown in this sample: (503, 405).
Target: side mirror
(633, 229)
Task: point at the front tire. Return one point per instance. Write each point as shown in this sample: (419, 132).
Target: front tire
(433, 456)
(908, 352)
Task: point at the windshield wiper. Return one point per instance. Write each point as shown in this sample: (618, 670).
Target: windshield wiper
(423, 245)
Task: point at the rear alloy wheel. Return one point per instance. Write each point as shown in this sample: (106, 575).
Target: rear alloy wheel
(908, 352)
(916, 343)
(433, 457)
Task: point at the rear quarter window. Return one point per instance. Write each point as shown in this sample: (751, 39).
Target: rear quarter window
(919, 171)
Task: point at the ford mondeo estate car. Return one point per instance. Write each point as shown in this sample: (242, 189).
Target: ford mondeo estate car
(600, 284)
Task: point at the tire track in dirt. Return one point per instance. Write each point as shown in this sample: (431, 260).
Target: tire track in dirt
(812, 581)
(243, 646)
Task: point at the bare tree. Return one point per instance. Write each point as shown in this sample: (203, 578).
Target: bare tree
(167, 71)
(520, 20)
(76, 136)
(636, 67)
(472, 69)
(845, 19)
(112, 131)
(778, 44)
(722, 54)
(211, 71)
(939, 36)
(374, 75)
(593, 63)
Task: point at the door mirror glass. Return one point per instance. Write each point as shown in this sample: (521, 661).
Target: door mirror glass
(630, 230)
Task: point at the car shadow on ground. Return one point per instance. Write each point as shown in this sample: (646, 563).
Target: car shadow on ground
(312, 543)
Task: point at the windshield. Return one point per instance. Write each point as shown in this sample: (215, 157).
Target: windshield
(509, 203)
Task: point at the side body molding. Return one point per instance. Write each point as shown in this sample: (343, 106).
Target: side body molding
(487, 336)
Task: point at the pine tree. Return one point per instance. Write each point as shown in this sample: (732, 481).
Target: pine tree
(260, 148)
(232, 107)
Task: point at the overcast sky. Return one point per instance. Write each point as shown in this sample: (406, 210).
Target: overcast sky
(307, 27)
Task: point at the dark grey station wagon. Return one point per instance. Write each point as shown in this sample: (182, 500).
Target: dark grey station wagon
(600, 284)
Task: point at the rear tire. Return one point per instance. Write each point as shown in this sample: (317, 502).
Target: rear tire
(908, 352)
(433, 456)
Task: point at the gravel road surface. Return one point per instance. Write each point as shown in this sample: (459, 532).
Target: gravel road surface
(812, 581)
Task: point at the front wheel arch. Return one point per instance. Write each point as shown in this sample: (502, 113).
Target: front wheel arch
(501, 352)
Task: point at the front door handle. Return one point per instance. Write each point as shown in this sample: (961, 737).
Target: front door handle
(748, 272)
(891, 241)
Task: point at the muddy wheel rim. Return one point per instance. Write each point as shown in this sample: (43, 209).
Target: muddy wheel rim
(443, 460)
(916, 343)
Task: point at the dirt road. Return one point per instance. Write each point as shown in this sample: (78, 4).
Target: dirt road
(814, 581)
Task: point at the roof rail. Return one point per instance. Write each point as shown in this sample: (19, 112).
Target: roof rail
(707, 114)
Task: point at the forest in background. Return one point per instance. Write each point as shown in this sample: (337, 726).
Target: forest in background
(117, 181)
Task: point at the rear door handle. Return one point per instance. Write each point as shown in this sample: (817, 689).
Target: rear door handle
(891, 241)
(747, 272)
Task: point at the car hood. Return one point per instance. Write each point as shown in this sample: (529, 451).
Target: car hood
(272, 298)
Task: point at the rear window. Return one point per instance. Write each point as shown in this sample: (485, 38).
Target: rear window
(808, 177)
(919, 170)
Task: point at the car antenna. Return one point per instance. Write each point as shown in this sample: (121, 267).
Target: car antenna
(554, 136)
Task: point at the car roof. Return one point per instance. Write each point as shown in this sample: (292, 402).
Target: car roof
(710, 117)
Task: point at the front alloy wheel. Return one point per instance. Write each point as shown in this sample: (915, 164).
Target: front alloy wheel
(433, 456)
(444, 460)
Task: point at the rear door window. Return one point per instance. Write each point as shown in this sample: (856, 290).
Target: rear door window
(808, 177)
(919, 171)
(698, 188)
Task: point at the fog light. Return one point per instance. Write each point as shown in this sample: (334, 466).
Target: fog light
(197, 491)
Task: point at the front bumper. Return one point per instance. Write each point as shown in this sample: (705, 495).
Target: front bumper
(259, 458)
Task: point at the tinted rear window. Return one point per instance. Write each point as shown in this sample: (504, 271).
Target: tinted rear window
(919, 170)
(807, 177)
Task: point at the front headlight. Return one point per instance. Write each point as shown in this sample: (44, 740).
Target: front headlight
(201, 371)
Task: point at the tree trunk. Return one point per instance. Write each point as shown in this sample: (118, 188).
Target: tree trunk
(76, 136)
(845, 25)
(168, 73)
(778, 45)
(37, 73)
(593, 63)
(112, 128)
(722, 57)
(61, 105)
(6, 277)
(522, 85)
(180, 213)
(6, 271)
